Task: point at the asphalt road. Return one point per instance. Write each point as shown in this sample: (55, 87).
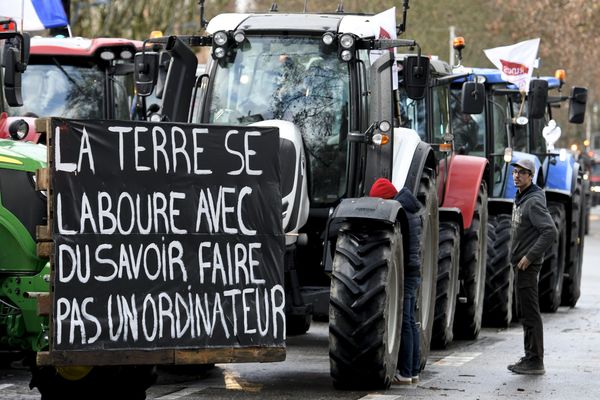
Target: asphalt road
(466, 370)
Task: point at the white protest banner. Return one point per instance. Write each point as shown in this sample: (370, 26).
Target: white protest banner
(516, 62)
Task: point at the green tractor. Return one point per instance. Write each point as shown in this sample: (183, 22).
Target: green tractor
(23, 275)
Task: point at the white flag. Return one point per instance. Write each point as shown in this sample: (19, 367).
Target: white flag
(516, 62)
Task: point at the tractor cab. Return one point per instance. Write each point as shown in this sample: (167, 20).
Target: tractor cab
(72, 78)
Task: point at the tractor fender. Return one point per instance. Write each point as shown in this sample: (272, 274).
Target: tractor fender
(452, 214)
(497, 206)
(411, 157)
(372, 209)
(560, 196)
(562, 172)
(462, 187)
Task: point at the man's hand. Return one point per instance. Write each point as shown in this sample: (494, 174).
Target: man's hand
(523, 264)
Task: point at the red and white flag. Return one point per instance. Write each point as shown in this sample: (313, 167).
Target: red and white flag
(516, 62)
(385, 28)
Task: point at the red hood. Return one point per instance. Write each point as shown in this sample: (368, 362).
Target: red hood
(78, 46)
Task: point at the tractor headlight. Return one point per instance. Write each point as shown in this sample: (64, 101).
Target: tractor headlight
(346, 55)
(219, 52)
(239, 36)
(346, 47)
(107, 55)
(347, 41)
(328, 38)
(126, 54)
(18, 129)
(220, 38)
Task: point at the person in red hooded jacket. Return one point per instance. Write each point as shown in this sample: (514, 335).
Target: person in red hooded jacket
(409, 361)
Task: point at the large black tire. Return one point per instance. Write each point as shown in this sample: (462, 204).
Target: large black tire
(572, 277)
(550, 284)
(473, 252)
(100, 383)
(500, 276)
(365, 311)
(426, 294)
(447, 284)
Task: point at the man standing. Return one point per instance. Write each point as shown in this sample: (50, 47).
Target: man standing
(533, 231)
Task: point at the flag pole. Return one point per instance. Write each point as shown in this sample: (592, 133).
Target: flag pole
(22, 15)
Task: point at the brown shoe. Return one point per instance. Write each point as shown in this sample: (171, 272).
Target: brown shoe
(527, 366)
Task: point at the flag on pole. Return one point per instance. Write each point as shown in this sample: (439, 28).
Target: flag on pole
(35, 15)
(385, 28)
(516, 62)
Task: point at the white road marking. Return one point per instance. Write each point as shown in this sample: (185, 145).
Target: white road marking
(456, 359)
(381, 397)
(179, 394)
(5, 385)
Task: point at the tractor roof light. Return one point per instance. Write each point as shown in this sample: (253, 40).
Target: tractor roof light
(219, 52)
(239, 36)
(18, 129)
(346, 47)
(220, 38)
(328, 38)
(458, 43)
(561, 75)
(347, 41)
(156, 34)
(346, 55)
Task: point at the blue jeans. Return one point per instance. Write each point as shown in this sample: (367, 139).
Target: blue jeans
(409, 362)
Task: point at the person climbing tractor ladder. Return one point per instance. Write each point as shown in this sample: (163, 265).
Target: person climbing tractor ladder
(409, 363)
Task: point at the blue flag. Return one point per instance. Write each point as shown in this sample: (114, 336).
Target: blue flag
(35, 15)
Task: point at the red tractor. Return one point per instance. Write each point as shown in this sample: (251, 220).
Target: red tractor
(72, 78)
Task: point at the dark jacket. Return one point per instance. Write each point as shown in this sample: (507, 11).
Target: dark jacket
(533, 230)
(412, 206)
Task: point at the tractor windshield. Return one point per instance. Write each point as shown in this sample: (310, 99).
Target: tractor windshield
(412, 114)
(291, 79)
(71, 91)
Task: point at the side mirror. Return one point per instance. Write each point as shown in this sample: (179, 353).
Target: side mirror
(538, 98)
(577, 104)
(472, 98)
(14, 60)
(12, 77)
(416, 76)
(145, 72)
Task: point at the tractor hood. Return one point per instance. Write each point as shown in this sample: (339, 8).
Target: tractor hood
(23, 156)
